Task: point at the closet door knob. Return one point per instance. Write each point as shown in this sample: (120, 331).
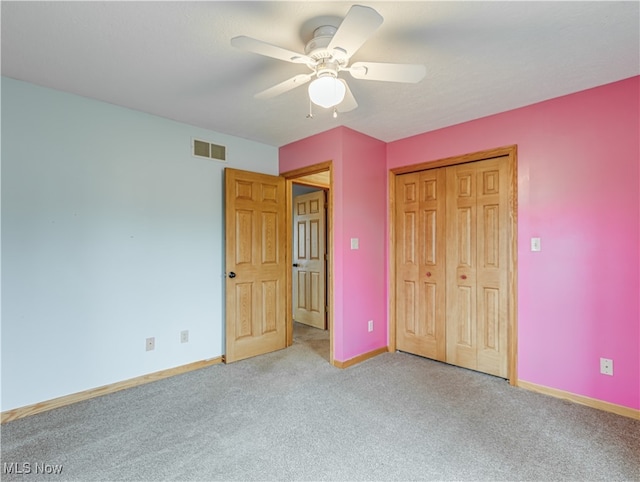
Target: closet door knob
(428, 274)
(232, 275)
(464, 276)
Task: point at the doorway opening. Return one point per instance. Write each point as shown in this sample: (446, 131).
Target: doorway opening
(309, 268)
(300, 182)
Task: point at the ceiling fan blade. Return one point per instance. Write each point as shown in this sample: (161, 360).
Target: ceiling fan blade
(263, 48)
(355, 29)
(408, 73)
(285, 86)
(349, 103)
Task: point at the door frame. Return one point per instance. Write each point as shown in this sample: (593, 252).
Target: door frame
(510, 152)
(295, 176)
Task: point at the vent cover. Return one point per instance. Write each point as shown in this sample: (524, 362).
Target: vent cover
(208, 150)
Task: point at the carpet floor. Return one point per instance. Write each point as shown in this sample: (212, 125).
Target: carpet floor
(290, 415)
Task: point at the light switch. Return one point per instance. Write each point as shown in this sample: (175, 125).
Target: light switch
(354, 243)
(535, 244)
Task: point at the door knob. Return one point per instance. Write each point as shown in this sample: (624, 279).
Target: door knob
(296, 265)
(464, 276)
(232, 275)
(428, 274)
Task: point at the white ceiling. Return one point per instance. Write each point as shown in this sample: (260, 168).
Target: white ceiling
(174, 59)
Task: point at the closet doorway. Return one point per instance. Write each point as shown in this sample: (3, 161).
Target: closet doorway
(453, 267)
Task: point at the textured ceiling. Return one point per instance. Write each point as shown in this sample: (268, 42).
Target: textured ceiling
(174, 59)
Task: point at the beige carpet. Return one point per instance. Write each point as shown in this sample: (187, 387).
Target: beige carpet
(290, 415)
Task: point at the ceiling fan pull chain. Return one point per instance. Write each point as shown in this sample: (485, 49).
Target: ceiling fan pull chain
(310, 114)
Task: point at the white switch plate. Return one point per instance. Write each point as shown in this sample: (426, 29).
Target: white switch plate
(370, 326)
(535, 244)
(355, 243)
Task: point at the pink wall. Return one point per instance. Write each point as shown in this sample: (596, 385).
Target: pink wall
(364, 213)
(359, 195)
(579, 191)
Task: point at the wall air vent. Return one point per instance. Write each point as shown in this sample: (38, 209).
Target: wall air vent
(208, 150)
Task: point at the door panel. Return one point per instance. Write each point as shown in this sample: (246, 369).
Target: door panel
(309, 268)
(430, 299)
(477, 266)
(461, 266)
(420, 288)
(408, 305)
(255, 253)
(492, 273)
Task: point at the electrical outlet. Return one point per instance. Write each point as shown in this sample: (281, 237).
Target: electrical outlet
(370, 326)
(184, 336)
(151, 343)
(606, 366)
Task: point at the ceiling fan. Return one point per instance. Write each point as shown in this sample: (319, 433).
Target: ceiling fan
(327, 54)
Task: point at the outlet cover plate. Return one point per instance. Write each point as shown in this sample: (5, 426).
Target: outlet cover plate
(606, 366)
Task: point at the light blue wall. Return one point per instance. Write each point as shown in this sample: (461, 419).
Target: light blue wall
(111, 233)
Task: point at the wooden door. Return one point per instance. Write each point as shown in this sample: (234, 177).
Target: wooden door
(255, 264)
(309, 259)
(477, 271)
(420, 263)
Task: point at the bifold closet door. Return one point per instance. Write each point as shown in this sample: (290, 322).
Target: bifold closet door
(477, 273)
(420, 263)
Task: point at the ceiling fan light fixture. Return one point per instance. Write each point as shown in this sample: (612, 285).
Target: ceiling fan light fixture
(327, 91)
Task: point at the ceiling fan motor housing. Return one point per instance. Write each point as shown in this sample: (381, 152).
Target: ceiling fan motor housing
(316, 48)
